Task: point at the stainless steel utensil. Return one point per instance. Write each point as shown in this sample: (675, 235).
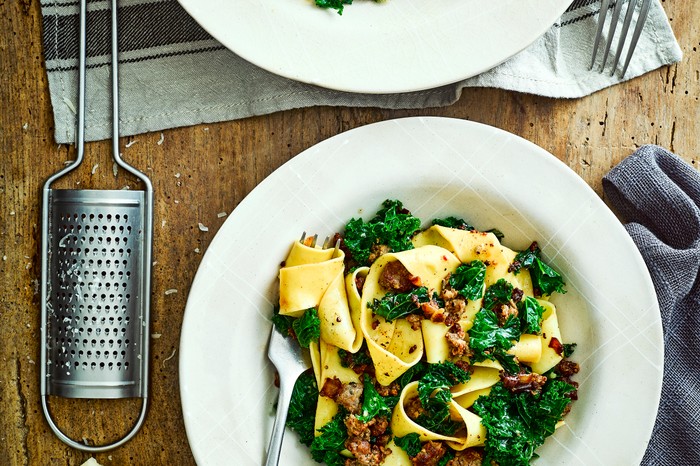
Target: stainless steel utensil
(96, 278)
(617, 9)
(290, 361)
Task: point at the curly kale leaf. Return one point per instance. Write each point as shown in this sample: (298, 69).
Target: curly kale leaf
(517, 424)
(436, 418)
(569, 349)
(302, 407)
(327, 446)
(434, 395)
(392, 226)
(283, 324)
(410, 443)
(352, 360)
(373, 404)
(437, 380)
(336, 5)
(397, 305)
(530, 313)
(486, 335)
(414, 373)
(468, 280)
(507, 361)
(497, 294)
(307, 327)
(545, 280)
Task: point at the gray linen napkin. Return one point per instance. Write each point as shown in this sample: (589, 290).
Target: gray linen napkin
(173, 73)
(658, 195)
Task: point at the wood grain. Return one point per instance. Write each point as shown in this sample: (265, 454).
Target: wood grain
(201, 171)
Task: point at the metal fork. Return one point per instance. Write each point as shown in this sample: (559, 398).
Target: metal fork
(290, 362)
(617, 9)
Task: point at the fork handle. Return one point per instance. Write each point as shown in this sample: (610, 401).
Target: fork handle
(273, 452)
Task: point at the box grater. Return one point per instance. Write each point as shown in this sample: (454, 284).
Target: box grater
(96, 278)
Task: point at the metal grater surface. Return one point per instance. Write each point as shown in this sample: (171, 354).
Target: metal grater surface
(95, 294)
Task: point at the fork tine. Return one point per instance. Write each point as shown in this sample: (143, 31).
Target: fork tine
(611, 32)
(643, 12)
(604, 4)
(623, 34)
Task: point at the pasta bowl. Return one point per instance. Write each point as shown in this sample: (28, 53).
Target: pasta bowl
(436, 167)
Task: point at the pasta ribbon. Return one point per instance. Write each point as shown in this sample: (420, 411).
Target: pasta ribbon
(474, 245)
(329, 367)
(550, 329)
(313, 277)
(395, 346)
(528, 348)
(481, 377)
(473, 434)
(355, 303)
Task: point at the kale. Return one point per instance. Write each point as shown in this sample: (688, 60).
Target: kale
(434, 395)
(437, 380)
(497, 294)
(282, 323)
(569, 349)
(373, 404)
(449, 455)
(413, 373)
(486, 336)
(517, 424)
(468, 280)
(397, 305)
(302, 407)
(545, 280)
(337, 5)
(352, 360)
(453, 222)
(307, 327)
(392, 226)
(436, 417)
(327, 446)
(506, 360)
(410, 443)
(530, 313)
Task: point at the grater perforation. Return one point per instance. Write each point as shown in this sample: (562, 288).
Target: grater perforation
(96, 279)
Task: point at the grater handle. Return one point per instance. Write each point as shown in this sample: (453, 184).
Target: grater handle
(115, 105)
(96, 448)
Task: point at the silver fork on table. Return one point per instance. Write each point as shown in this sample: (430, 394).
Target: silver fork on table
(617, 9)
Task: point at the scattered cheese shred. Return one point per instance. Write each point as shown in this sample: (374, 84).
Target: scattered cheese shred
(70, 105)
(172, 355)
(202, 227)
(170, 291)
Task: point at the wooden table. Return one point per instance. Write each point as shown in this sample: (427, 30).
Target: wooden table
(218, 164)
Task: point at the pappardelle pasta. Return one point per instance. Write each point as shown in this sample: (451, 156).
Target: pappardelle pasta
(433, 346)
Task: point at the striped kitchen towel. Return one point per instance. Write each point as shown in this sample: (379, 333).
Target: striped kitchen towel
(174, 74)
